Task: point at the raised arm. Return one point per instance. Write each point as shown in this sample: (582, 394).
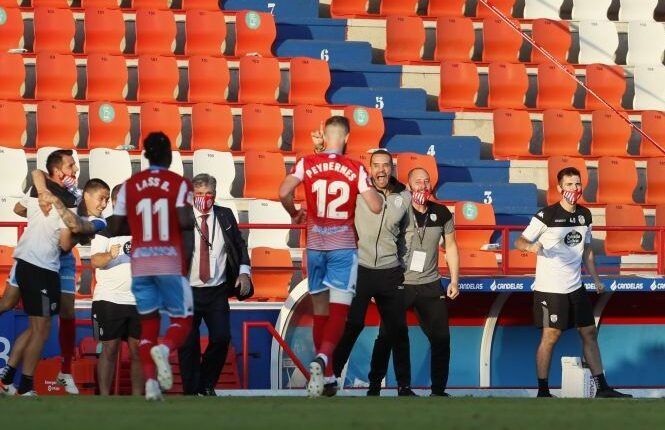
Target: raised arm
(73, 222)
(373, 200)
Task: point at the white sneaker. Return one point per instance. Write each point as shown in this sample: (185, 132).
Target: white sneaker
(7, 390)
(31, 393)
(160, 355)
(67, 381)
(152, 390)
(316, 381)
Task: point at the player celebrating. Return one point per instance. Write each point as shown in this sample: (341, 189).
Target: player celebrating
(156, 206)
(332, 184)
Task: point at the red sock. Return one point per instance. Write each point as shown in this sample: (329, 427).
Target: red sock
(149, 333)
(318, 325)
(67, 339)
(177, 332)
(333, 332)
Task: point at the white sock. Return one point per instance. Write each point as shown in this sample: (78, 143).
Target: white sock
(324, 358)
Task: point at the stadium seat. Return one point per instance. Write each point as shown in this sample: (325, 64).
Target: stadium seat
(500, 41)
(624, 242)
(44, 152)
(590, 9)
(11, 29)
(598, 42)
(649, 84)
(446, 8)
(512, 134)
(554, 166)
(155, 32)
(209, 79)
(205, 32)
(346, 8)
(505, 6)
(655, 193)
(455, 38)
(6, 262)
(508, 83)
(161, 117)
(151, 4)
(255, 33)
(12, 76)
(562, 132)
(262, 128)
(653, 124)
(258, 80)
(556, 90)
(56, 77)
(271, 284)
(264, 172)
(206, 5)
(405, 39)
(158, 79)
(57, 125)
(267, 212)
(107, 77)
(104, 31)
(469, 214)
(521, 261)
(645, 42)
(366, 128)
(230, 204)
(102, 4)
(306, 119)
(9, 235)
(218, 164)
(459, 85)
(110, 165)
(176, 163)
(54, 30)
(398, 7)
(473, 262)
(212, 127)
(609, 134)
(606, 81)
(309, 81)
(548, 9)
(14, 166)
(554, 37)
(634, 10)
(406, 161)
(13, 125)
(617, 179)
(108, 125)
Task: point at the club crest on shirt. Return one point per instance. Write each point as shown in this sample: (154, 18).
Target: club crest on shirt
(433, 217)
(554, 318)
(581, 219)
(127, 247)
(398, 201)
(573, 238)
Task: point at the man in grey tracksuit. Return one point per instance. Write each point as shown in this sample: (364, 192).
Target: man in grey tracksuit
(381, 272)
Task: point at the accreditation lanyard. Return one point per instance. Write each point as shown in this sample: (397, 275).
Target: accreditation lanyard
(203, 237)
(420, 231)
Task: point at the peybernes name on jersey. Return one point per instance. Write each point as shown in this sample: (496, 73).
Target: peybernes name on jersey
(152, 182)
(331, 166)
(155, 251)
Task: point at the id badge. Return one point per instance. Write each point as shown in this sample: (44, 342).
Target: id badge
(213, 266)
(418, 261)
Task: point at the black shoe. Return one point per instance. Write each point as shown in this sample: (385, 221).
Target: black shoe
(330, 389)
(610, 393)
(406, 392)
(374, 391)
(439, 394)
(544, 394)
(208, 392)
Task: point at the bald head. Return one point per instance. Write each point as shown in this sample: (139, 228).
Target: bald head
(419, 179)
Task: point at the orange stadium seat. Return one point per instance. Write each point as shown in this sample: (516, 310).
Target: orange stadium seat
(11, 30)
(459, 85)
(209, 79)
(472, 213)
(655, 194)
(500, 41)
(653, 124)
(108, 125)
(398, 7)
(556, 90)
(54, 30)
(505, 6)
(104, 31)
(455, 38)
(264, 172)
(473, 262)
(57, 125)
(562, 132)
(345, 8)
(209, 5)
(363, 158)
(262, 128)
(508, 83)
(155, 32)
(606, 81)
(205, 32)
(406, 161)
(609, 134)
(103, 4)
(107, 77)
(151, 4)
(158, 79)
(310, 80)
(624, 242)
(6, 262)
(446, 8)
(12, 123)
(521, 261)
(554, 37)
(306, 118)
(366, 128)
(161, 117)
(63, 4)
(617, 179)
(271, 284)
(56, 77)
(512, 134)
(554, 166)
(405, 39)
(255, 33)
(212, 127)
(258, 80)
(12, 76)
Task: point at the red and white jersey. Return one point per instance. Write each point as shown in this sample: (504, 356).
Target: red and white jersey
(149, 200)
(332, 183)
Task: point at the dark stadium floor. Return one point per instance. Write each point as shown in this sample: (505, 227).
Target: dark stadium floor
(338, 413)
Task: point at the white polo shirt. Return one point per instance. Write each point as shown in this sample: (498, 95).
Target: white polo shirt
(114, 282)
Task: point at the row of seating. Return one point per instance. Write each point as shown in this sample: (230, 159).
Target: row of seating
(211, 5)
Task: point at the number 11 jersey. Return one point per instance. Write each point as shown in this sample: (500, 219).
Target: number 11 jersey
(149, 200)
(332, 183)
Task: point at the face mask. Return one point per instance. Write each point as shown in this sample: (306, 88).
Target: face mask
(204, 203)
(421, 197)
(572, 196)
(69, 181)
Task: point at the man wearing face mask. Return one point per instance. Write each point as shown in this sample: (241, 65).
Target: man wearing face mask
(220, 269)
(560, 235)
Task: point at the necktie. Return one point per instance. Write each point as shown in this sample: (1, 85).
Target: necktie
(204, 251)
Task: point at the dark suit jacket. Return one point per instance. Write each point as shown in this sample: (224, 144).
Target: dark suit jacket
(234, 245)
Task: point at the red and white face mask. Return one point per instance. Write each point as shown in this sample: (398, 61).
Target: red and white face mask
(69, 181)
(204, 203)
(421, 197)
(572, 197)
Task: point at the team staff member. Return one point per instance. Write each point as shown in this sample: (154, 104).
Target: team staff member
(560, 235)
(220, 268)
(428, 223)
(381, 272)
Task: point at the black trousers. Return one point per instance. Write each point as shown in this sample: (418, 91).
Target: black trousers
(429, 303)
(385, 286)
(211, 304)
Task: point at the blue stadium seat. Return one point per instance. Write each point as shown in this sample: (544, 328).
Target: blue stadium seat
(311, 29)
(332, 51)
(506, 198)
(365, 75)
(443, 148)
(281, 8)
(456, 170)
(418, 122)
(386, 99)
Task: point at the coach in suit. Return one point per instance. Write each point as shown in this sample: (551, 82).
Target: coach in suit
(220, 268)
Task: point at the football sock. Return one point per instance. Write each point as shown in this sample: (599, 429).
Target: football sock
(543, 385)
(67, 336)
(177, 332)
(8, 374)
(26, 384)
(332, 333)
(149, 333)
(318, 326)
(601, 383)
